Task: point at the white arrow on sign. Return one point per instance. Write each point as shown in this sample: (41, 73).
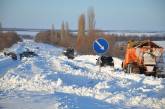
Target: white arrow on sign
(102, 47)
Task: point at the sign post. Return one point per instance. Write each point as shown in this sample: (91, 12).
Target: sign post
(100, 46)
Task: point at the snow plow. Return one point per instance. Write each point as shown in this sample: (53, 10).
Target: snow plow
(143, 57)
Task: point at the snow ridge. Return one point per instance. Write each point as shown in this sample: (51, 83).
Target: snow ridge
(56, 82)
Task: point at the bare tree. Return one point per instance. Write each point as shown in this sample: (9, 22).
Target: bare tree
(62, 38)
(0, 27)
(67, 35)
(66, 29)
(53, 38)
(91, 19)
(81, 26)
(81, 32)
(91, 28)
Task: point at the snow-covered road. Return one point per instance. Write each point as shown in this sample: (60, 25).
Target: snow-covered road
(51, 81)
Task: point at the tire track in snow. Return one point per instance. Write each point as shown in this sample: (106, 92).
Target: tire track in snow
(116, 97)
(119, 89)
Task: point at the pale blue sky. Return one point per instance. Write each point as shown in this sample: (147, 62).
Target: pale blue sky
(143, 15)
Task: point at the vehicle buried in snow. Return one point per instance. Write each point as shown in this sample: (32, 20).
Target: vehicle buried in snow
(143, 57)
(105, 60)
(27, 53)
(69, 52)
(11, 54)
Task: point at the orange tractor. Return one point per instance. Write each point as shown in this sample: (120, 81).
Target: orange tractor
(143, 57)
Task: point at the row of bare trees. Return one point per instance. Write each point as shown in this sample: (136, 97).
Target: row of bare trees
(62, 38)
(7, 39)
(85, 37)
(82, 43)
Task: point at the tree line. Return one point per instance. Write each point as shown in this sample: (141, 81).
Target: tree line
(87, 33)
(7, 39)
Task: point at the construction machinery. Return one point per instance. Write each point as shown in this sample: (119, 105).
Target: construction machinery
(143, 57)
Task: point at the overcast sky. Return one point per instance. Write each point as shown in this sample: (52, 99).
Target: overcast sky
(143, 15)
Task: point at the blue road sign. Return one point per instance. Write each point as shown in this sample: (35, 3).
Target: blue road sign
(100, 45)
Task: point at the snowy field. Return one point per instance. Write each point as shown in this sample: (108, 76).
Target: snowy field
(51, 81)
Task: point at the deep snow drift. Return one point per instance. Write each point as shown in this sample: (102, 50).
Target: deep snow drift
(51, 81)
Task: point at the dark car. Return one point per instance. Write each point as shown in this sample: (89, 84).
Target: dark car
(11, 54)
(27, 54)
(105, 60)
(69, 52)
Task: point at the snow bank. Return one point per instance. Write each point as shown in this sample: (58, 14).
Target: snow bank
(75, 83)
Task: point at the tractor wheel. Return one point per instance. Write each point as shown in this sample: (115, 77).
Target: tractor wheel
(159, 73)
(101, 64)
(131, 68)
